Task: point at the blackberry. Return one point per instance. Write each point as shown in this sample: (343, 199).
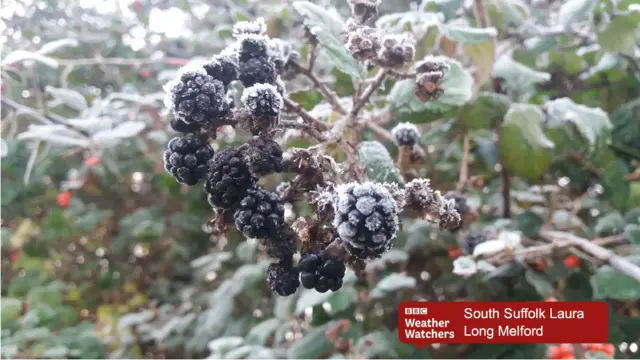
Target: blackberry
(321, 272)
(406, 134)
(396, 51)
(282, 245)
(223, 68)
(264, 156)
(263, 100)
(228, 180)
(366, 218)
(472, 240)
(186, 159)
(252, 46)
(282, 278)
(460, 202)
(257, 71)
(183, 127)
(197, 98)
(260, 214)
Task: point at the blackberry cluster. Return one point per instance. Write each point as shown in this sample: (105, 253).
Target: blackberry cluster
(197, 98)
(363, 42)
(321, 272)
(228, 180)
(406, 134)
(282, 278)
(472, 240)
(255, 65)
(366, 217)
(264, 156)
(186, 159)
(223, 68)
(282, 245)
(430, 74)
(260, 214)
(396, 51)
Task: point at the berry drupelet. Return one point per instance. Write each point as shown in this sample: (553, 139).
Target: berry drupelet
(264, 156)
(321, 272)
(260, 214)
(228, 180)
(366, 217)
(187, 159)
(197, 98)
(282, 278)
(406, 134)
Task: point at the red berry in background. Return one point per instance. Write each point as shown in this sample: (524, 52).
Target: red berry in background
(137, 5)
(64, 199)
(540, 265)
(3, 88)
(455, 253)
(145, 73)
(92, 161)
(551, 299)
(571, 262)
(14, 255)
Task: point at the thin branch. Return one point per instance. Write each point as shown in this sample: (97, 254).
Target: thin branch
(45, 119)
(480, 13)
(506, 193)
(607, 256)
(313, 55)
(380, 131)
(368, 91)
(464, 164)
(120, 61)
(327, 94)
(306, 117)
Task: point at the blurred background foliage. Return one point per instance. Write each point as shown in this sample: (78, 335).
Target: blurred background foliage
(105, 255)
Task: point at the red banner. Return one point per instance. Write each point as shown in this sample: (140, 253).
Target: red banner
(424, 323)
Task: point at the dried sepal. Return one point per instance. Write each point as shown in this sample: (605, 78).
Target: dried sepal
(421, 199)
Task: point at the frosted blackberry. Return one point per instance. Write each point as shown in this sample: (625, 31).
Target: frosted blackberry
(282, 278)
(472, 240)
(223, 68)
(396, 51)
(460, 202)
(366, 217)
(282, 245)
(321, 272)
(281, 53)
(252, 46)
(197, 98)
(257, 71)
(263, 100)
(363, 42)
(260, 214)
(183, 127)
(264, 156)
(186, 159)
(406, 134)
(228, 180)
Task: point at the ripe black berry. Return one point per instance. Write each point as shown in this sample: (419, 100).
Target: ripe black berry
(406, 134)
(321, 272)
(223, 68)
(263, 100)
(282, 245)
(183, 127)
(460, 206)
(472, 240)
(257, 71)
(264, 156)
(366, 217)
(186, 159)
(197, 98)
(228, 180)
(260, 214)
(282, 278)
(252, 46)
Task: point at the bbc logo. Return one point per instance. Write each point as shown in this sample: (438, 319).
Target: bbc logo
(415, 311)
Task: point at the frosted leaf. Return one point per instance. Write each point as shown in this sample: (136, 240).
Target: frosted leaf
(346, 231)
(511, 239)
(489, 248)
(465, 266)
(374, 222)
(380, 166)
(366, 205)
(258, 27)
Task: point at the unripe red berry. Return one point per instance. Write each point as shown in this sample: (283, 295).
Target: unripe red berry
(92, 161)
(571, 262)
(64, 198)
(455, 253)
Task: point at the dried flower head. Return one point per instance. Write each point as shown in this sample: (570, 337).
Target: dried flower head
(396, 51)
(363, 43)
(422, 199)
(432, 63)
(428, 85)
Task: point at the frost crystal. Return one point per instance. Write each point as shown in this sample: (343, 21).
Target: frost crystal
(263, 100)
(258, 27)
(366, 217)
(253, 46)
(406, 134)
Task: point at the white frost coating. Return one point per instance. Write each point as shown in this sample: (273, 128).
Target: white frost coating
(255, 38)
(387, 206)
(366, 205)
(354, 218)
(168, 87)
(257, 26)
(405, 126)
(344, 202)
(373, 222)
(378, 239)
(465, 266)
(440, 61)
(255, 95)
(346, 231)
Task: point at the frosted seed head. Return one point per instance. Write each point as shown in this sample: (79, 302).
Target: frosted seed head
(406, 134)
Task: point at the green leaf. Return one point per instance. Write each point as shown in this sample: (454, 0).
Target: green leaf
(224, 344)
(377, 345)
(261, 332)
(483, 56)
(626, 127)
(610, 224)
(616, 188)
(620, 35)
(10, 309)
(56, 352)
(633, 233)
(313, 345)
(378, 162)
(486, 112)
(529, 223)
(392, 283)
(591, 123)
(574, 11)
(518, 78)
(469, 35)
(343, 299)
(69, 97)
(542, 285)
(609, 283)
(328, 30)
(522, 138)
(311, 298)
